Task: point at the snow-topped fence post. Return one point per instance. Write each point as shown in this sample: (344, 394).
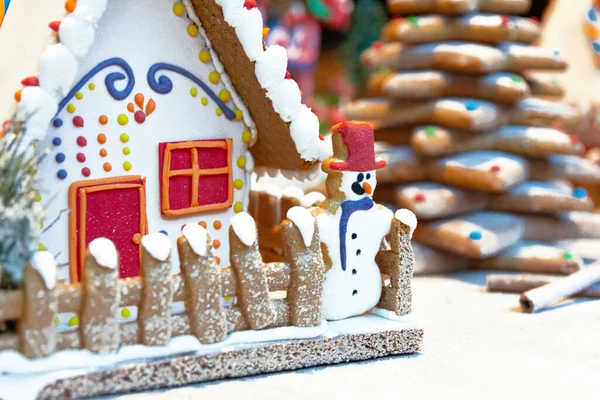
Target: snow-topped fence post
(203, 288)
(307, 269)
(398, 264)
(154, 314)
(99, 327)
(252, 287)
(37, 335)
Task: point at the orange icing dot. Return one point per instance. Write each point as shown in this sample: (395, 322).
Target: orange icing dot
(103, 119)
(202, 224)
(130, 107)
(107, 167)
(218, 260)
(103, 153)
(101, 138)
(216, 244)
(70, 5)
(18, 96)
(217, 224)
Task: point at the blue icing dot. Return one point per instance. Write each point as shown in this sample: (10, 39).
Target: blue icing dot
(164, 233)
(60, 157)
(556, 53)
(57, 141)
(596, 46)
(475, 235)
(579, 193)
(57, 122)
(592, 15)
(61, 174)
(471, 106)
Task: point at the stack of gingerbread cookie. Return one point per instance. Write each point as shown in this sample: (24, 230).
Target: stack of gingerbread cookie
(476, 147)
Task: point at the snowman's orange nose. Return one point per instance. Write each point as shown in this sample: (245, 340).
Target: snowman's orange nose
(367, 188)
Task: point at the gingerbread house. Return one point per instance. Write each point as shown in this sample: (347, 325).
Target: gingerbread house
(152, 117)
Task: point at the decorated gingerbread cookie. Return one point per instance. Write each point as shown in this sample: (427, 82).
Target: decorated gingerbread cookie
(458, 6)
(566, 225)
(403, 164)
(575, 169)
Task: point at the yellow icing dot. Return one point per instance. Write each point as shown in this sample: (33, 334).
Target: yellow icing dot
(214, 77)
(193, 92)
(91, 86)
(246, 136)
(126, 151)
(122, 119)
(238, 207)
(38, 197)
(74, 321)
(241, 162)
(79, 95)
(56, 320)
(41, 246)
(71, 108)
(126, 165)
(125, 313)
(224, 95)
(124, 138)
(178, 9)
(204, 56)
(33, 170)
(227, 298)
(204, 101)
(192, 30)
(219, 112)
(238, 184)
(238, 114)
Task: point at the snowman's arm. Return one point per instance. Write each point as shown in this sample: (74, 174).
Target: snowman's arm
(398, 264)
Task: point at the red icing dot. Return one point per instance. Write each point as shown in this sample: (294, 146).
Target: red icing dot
(288, 75)
(80, 157)
(86, 172)
(321, 137)
(139, 116)
(250, 4)
(574, 139)
(377, 45)
(495, 168)
(535, 19)
(78, 121)
(396, 18)
(30, 81)
(81, 141)
(505, 20)
(54, 25)
(419, 197)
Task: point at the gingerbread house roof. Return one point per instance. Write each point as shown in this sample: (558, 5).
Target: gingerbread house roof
(285, 132)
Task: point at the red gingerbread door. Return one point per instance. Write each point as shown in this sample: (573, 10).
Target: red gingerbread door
(113, 208)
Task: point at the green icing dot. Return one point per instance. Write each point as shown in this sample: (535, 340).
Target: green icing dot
(517, 79)
(567, 255)
(430, 130)
(413, 20)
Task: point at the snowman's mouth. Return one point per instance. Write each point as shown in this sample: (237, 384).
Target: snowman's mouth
(358, 189)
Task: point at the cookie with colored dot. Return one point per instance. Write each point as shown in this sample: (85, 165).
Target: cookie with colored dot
(478, 235)
(403, 164)
(477, 27)
(457, 7)
(565, 225)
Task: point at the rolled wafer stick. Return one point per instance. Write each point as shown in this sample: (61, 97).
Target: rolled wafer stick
(542, 297)
(523, 282)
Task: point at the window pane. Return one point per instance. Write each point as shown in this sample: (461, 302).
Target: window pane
(181, 159)
(180, 192)
(212, 158)
(213, 189)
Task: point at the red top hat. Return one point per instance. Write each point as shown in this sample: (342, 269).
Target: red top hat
(353, 148)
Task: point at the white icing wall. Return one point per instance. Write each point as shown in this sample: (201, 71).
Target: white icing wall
(142, 33)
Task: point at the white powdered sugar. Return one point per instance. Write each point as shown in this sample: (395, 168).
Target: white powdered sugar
(304, 221)
(157, 245)
(244, 227)
(45, 264)
(312, 198)
(408, 218)
(196, 237)
(293, 192)
(105, 253)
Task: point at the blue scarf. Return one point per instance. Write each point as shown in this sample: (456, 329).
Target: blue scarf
(348, 208)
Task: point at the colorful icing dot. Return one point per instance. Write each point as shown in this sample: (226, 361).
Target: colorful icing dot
(74, 321)
(413, 20)
(214, 77)
(238, 207)
(430, 130)
(18, 95)
(224, 95)
(122, 119)
(61, 174)
(127, 166)
(202, 224)
(38, 197)
(33, 170)
(246, 136)
(377, 45)
(495, 168)
(130, 107)
(218, 260)
(57, 122)
(204, 56)
(216, 244)
(238, 184)
(107, 167)
(56, 320)
(193, 92)
(139, 116)
(178, 9)
(516, 79)
(103, 153)
(126, 151)
(71, 108)
(125, 313)
(60, 157)
(238, 114)
(505, 20)
(241, 162)
(217, 224)
(574, 139)
(78, 121)
(265, 33)
(41, 246)
(579, 193)
(103, 119)
(124, 138)
(419, 197)
(471, 106)
(86, 172)
(79, 95)
(204, 101)
(475, 235)
(80, 157)
(219, 112)
(81, 141)
(101, 138)
(556, 52)
(91, 86)
(227, 298)
(567, 255)
(192, 30)
(164, 232)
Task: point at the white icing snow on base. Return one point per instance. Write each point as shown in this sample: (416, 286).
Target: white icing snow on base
(105, 253)
(244, 227)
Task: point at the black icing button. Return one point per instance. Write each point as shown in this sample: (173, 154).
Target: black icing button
(354, 292)
(354, 236)
(358, 252)
(353, 272)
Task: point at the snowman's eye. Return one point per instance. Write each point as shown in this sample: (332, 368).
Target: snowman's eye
(368, 176)
(360, 177)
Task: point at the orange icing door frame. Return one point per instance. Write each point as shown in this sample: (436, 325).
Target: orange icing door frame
(112, 208)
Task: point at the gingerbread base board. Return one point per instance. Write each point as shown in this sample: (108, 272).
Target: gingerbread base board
(269, 358)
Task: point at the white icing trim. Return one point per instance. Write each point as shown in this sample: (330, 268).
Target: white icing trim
(44, 263)
(157, 245)
(244, 227)
(304, 221)
(105, 253)
(408, 218)
(312, 198)
(293, 192)
(196, 237)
